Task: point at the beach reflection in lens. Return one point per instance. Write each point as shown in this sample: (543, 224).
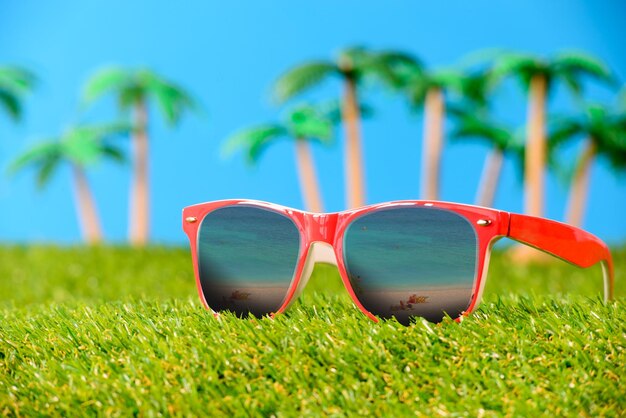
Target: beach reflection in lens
(246, 258)
(412, 261)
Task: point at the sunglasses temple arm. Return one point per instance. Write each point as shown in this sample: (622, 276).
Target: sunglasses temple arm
(566, 242)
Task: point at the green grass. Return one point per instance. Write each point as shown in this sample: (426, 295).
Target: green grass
(119, 332)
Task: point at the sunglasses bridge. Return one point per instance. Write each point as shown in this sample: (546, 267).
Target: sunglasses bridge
(320, 227)
(319, 233)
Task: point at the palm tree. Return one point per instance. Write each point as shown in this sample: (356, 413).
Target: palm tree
(538, 75)
(14, 83)
(352, 66)
(80, 146)
(605, 136)
(303, 124)
(502, 140)
(426, 90)
(133, 90)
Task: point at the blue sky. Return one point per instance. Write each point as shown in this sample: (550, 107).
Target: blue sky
(228, 54)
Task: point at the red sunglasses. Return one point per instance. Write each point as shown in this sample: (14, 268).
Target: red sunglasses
(399, 259)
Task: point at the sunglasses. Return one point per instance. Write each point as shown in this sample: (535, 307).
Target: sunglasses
(399, 259)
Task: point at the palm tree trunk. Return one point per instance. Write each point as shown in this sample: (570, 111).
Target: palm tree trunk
(308, 177)
(86, 207)
(434, 109)
(580, 185)
(534, 164)
(490, 177)
(535, 161)
(139, 216)
(355, 187)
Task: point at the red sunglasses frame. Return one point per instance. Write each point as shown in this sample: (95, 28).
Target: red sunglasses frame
(563, 241)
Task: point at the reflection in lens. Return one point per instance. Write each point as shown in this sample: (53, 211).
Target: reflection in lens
(411, 261)
(246, 257)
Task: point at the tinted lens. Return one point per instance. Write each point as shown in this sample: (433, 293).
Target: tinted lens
(247, 257)
(412, 261)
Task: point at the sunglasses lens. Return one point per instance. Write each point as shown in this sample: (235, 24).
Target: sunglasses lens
(412, 261)
(247, 257)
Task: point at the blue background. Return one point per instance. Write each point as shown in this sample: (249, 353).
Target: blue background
(228, 54)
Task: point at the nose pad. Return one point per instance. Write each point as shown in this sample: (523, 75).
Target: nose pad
(319, 252)
(323, 253)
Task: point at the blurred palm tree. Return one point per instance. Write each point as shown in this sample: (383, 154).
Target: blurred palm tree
(352, 66)
(473, 125)
(81, 147)
(133, 90)
(426, 89)
(604, 133)
(302, 124)
(15, 82)
(538, 75)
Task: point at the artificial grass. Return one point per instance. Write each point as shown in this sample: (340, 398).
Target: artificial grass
(116, 331)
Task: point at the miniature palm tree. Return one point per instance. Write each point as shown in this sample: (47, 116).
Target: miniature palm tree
(133, 90)
(502, 140)
(426, 89)
(352, 67)
(604, 134)
(302, 124)
(538, 75)
(81, 147)
(14, 83)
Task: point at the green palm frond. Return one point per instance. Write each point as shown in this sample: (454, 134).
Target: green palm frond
(113, 153)
(253, 141)
(86, 144)
(301, 78)
(521, 66)
(596, 121)
(416, 91)
(604, 126)
(111, 80)
(132, 86)
(394, 69)
(563, 129)
(171, 99)
(17, 79)
(620, 120)
(470, 126)
(14, 83)
(11, 104)
(614, 148)
(448, 79)
(44, 157)
(445, 79)
(611, 140)
(476, 87)
(46, 170)
(40, 151)
(572, 65)
(82, 145)
(568, 66)
(309, 122)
